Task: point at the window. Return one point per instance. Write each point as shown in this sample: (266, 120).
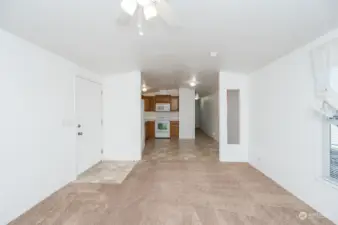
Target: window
(325, 71)
(334, 151)
(334, 129)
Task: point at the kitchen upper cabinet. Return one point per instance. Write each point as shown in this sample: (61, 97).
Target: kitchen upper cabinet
(149, 104)
(174, 103)
(162, 99)
(174, 129)
(146, 104)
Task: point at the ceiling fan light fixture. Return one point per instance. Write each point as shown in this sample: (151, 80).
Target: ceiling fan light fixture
(129, 6)
(144, 89)
(149, 11)
(192, 83)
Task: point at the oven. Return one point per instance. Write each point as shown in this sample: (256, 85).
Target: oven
(162, 128)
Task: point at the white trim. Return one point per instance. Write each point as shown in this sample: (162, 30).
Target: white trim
(88, 79)
(329, 181)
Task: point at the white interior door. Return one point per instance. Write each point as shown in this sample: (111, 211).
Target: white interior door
(88, 107)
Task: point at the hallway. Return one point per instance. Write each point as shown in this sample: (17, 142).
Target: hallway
(203, 148)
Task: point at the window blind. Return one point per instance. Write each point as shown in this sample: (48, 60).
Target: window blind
(334, 152)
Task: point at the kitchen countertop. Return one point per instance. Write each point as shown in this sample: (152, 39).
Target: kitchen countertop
(153, 119)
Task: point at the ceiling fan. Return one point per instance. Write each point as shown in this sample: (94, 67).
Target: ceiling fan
(150, 9)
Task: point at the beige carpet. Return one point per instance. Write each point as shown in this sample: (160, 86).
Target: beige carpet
(176, 193)
(177, 183)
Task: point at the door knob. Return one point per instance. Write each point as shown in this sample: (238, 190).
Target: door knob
(79, 133)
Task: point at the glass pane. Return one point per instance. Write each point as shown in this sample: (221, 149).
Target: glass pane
(233, 116)
(334, 152)
(162, 126)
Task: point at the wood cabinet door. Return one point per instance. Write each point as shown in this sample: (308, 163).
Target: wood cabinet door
(174, 103)
(162, 99)
(151, 129)
(146, 104)
(146, 129)
(149, 103)
(174, 129)
(152, 103)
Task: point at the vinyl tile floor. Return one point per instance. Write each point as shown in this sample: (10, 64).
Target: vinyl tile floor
(203, 148)
(107, 172)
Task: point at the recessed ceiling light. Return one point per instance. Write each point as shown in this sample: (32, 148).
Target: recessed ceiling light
(213, 54)
(141, 33)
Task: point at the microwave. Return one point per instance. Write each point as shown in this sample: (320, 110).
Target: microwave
(162, 107)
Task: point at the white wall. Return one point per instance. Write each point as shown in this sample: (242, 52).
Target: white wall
(233, 152)
(37, 124)
(122, 136)
(187, 113)
(209, 119)
(197, 113)
(286, 136)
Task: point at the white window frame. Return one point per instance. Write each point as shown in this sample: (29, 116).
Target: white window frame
(329, 155)
(328, 133)
(325, 71)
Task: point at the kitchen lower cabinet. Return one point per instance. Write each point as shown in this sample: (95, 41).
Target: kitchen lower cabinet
(150, 129)
(174, 129)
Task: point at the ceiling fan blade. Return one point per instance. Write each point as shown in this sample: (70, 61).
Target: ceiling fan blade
(129, 6)
(165, 11)
(149, 11)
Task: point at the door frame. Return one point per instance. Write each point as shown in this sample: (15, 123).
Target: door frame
(76, 119)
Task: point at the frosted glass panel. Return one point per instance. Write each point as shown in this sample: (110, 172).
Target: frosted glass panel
(233, 116)
(334, 152)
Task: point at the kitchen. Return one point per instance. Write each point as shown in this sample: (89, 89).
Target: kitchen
(161, 114)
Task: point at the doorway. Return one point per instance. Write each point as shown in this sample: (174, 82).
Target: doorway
(88, 109)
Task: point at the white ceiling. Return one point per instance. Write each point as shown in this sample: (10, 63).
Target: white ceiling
(247, 34)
